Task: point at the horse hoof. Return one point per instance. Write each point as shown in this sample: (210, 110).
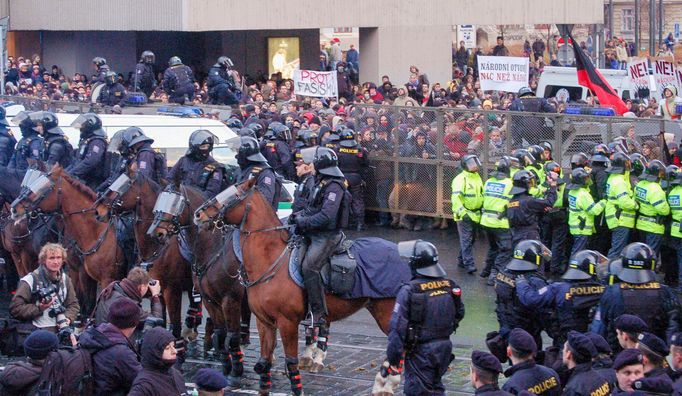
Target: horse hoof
(263, 392)
(316, 368)
(234, 382)
(382, 393)
(305, 363)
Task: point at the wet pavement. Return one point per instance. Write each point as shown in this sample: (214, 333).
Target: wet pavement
(357, 346)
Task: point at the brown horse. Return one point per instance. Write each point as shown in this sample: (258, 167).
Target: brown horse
(92, 243)
(279, 304)
(16, 240)
(215, 270)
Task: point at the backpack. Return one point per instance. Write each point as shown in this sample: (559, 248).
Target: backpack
(67, 371)
(160, 165)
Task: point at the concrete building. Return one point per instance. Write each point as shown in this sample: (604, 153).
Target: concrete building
(393, 34)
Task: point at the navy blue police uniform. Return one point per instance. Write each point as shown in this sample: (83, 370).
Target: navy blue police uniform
(354, 162)
(7, 140)
(113, 94)
(178, 81)
(220, 86)
(583, 379)
(144, 80)
(528, 375)
(90, 159)
(267, 183)
(524, 211)
(30, 146)
(489, 363)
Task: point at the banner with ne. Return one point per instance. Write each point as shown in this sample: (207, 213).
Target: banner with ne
(315, 83)
(664, 74)
(638, 70)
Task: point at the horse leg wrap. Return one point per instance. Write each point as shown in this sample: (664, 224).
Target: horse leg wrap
(219, 339)
(262, 368)
(176, 329)
(294, 375)
(194, 317)
(234, 354)
(309, 335)
(245, 333)
(181, 353)
(322, 338)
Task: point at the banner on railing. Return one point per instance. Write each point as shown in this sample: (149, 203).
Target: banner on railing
(315, 83)
(664, 74)
(503, 73)
(638, 70)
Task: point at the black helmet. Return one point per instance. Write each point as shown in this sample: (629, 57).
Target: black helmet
(619, 164)
(257, 127)
(48, 120)
(471, 163)
(655, 171)
(639, 262)
(552, 166)
(277, 130)
(201, 137)
(525, 91)
(25, 122)
(523, 181)
(347, 137)
(110, 77)
(580, 177)
(514, 162)
(225, 62)
(89, 124)
(529, 256)
(247, 131)
(613, 268)
(326, 162)
(525, 157)
(619, 146)
(675, 177)
(147, 57)
(639, 163)
(547, 146)
(579, 160)
(601, 153)
(130, 137)
(502, 168)
(234, 123)
(423, 258)
(250, 149)
(174, 61)
(99, 61)
(537, 152)
(585, 264)
(306, 138)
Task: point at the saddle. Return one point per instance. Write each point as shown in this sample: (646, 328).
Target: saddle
(338, 274)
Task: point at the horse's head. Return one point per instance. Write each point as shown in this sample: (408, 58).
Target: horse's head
(118, 197)
(225, 208)
(39, 193)
(171, 214)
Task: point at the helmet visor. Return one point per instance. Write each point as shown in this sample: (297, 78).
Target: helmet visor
(308, 155)
(406, 248)
(601, 265)
(472, 164)
(79, 121)
(170, 203)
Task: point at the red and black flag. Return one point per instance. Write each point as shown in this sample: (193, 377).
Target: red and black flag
(592, 79)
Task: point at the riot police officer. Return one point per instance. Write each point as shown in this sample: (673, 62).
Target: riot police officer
(305, 174)
(113, 93)
(582, 209)
(527, 259)
(7, 140)
(102, 68)
(221, 84)
(496, 196)
(198, 167)
(638, 294)
(598, 164)
(276, 149)
(178, 81)
(145, 79)
(30, 146)
(467, 200)
(537, 161)
(136, 147)
(89, 164)
(521, 126)
(571, 299)
(621, 207)
(524, 210)
(56, 148)
(321, 221)
(354, 162)
(675, 202)
(253, 164)
(580, 160)
(428, 310)
(653, 206)
(234, 122)
(554, 229)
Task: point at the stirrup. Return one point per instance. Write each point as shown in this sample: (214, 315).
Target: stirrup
(309, 320)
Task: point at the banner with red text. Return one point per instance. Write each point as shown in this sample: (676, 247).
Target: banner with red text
(503, 73)
(315, 83)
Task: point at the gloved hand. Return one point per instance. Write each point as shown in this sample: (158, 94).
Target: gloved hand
(292, 219)
(521, 278)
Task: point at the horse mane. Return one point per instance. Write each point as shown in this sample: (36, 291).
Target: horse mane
(79, 186)
(267, 205)
(156, 187)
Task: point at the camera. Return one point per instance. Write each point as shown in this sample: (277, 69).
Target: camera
(57, 311)
(45, 293)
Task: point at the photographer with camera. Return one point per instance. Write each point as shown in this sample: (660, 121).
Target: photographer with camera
(46, 297)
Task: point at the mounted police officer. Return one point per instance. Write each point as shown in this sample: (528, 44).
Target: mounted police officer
(572, 299)
(638, 294)
(30, 146)
(253, 164)
(524, 210)
(145, 79)
(102, 68)
(354, 162)
(198, 167)
(467, 200)
(90, 162)
(582, 209)
(428, 310)
(56, 148)
(221, 84)
(178, 81)
(528, 102)
(621, 207)
(7, 140)
(653, 206)
(320, 222)
(305, 173)
(529, 256)
(113, 93)
(276, 149)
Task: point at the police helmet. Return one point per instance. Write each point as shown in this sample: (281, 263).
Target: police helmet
(670, 173)
(580, 177)
(347, 137)
(225, 62)
(3, 114)
(174, 61)
(89, 124)
(523, 180)
(471, 163)
(250, 149)
(502, 168)
(529, 255)
(619, 146)
(675, 177)
(619, 164)
(655, 171)
(552, 166)
(309, 137)
(601, 153)
(147, 57)
(326, 162)
(514, 162)
(257, 127)
(584, 265)
(547, 146)
(613, 268)
(423, 258)
(639, 262)
(24, 120)
(639, 163)
(99, 61)
(48, 120)
(579, 160)
(234, 123)
(246, 131)
(525, 91)
(110, 77)
(132, 136)
(537, 152)
(525, 157)
(277, 130)
(199, 138)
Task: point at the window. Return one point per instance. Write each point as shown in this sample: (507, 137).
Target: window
(628, 20)
(343, 30)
